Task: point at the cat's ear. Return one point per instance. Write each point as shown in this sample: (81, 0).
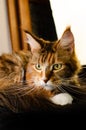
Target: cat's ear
(33, 43)
(67, 40)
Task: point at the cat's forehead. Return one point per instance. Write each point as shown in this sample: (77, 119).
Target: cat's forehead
(49, 53)
(47, 58)
(49, 47)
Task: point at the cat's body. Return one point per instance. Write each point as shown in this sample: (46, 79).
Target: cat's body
(12, 67)
(31, 77)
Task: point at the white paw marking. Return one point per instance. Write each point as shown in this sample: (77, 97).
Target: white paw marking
(62, 99)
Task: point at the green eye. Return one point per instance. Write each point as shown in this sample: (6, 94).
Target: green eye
(57, 66)
(38, 66)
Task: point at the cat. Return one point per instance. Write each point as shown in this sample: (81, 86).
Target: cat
(53, 64)
(28, 78)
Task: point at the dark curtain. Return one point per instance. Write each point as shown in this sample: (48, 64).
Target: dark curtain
(42, 19)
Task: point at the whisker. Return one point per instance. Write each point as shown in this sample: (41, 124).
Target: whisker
(20, 89)
(61, 88)
(75, 91)
(82, 75)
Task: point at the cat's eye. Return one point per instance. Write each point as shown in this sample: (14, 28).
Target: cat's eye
(38, 67)
(57, 66)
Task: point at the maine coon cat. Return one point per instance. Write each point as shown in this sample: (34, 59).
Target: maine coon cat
(39, 74)
(53, 64)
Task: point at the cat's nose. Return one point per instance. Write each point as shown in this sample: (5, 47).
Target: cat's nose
(45, 80)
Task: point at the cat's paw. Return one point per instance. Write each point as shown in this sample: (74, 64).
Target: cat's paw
(62, 99)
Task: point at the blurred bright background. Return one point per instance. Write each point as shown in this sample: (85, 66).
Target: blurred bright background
(5, 43)
(72, 13)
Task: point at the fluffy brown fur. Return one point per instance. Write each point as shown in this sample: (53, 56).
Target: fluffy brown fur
(29, 79)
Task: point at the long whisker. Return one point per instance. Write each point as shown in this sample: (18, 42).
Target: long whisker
(75, 91)
(20, 89)
(24, 92)
(82, 76)
(82, 73)
(61, 88)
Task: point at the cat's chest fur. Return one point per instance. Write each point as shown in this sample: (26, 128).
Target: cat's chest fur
(62, 99)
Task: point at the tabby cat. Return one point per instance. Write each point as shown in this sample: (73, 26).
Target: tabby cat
(28, 78)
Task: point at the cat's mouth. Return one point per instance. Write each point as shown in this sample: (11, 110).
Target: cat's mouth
(48, 87)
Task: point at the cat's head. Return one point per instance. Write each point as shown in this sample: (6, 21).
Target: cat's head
(52, 63)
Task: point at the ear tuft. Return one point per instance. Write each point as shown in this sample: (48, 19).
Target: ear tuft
(31, 40)
(67, 40)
